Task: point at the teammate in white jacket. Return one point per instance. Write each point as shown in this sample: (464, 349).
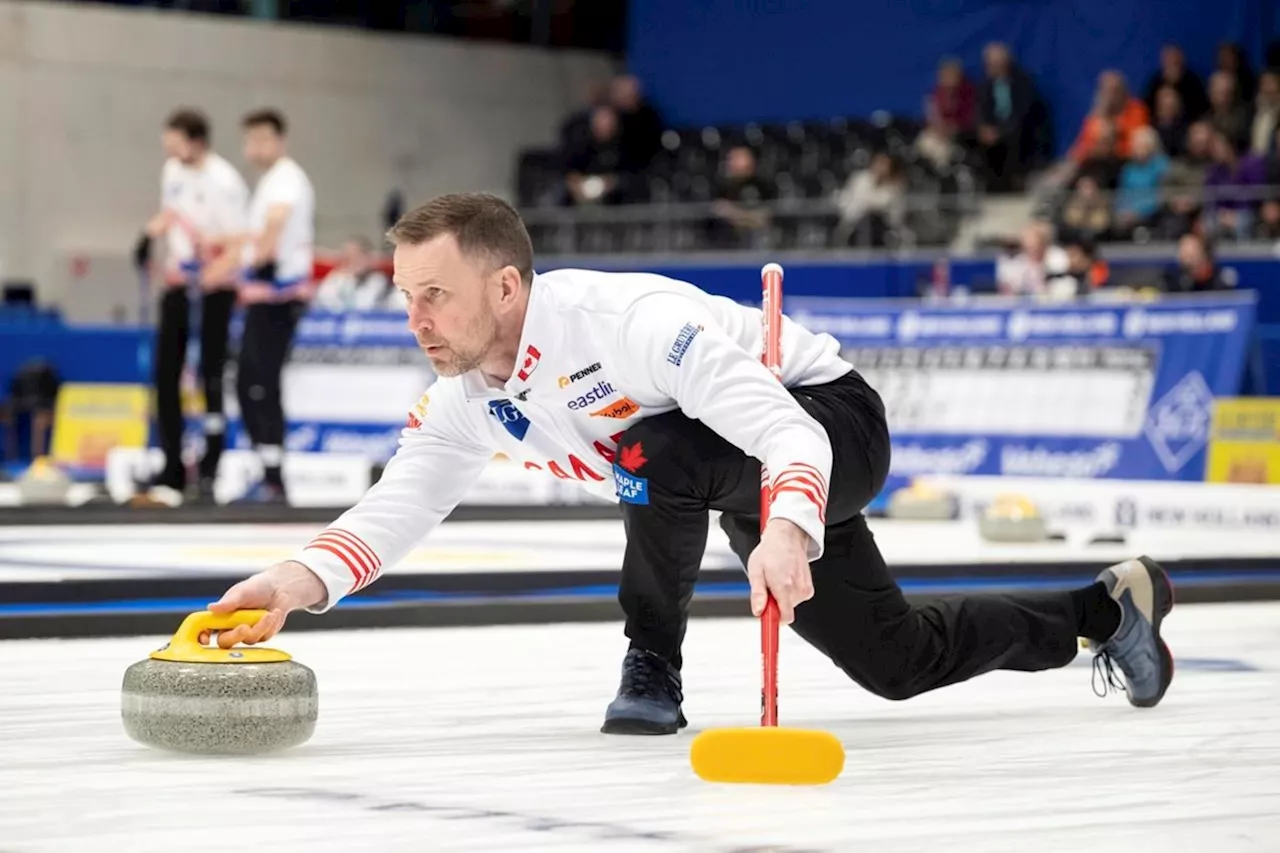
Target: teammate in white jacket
(650, 391)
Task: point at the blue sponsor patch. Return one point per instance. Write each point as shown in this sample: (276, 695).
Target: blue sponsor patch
(510, 417)
(630, 488)
(681, 346)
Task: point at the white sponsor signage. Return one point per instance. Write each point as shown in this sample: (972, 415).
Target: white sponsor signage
(1119, 505)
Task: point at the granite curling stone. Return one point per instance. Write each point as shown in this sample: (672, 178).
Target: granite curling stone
(188, 697)
(1012, 518)
(922, 502)
(43, 484)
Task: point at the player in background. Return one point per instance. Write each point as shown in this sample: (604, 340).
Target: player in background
(277, 284)
(651, 391)
(203, 207)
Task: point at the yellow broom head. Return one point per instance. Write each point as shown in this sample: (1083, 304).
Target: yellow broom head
(767, 755)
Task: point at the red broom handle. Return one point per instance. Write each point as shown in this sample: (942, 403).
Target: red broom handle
(771, 320)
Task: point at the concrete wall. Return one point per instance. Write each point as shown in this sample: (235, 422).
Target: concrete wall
(84, 91)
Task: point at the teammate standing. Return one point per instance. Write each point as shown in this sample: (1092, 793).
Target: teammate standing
(203, 206)
(276, 287)
(652, 392)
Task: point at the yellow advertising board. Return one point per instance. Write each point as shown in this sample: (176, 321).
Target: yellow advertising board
(90, 419)
(1244, 444)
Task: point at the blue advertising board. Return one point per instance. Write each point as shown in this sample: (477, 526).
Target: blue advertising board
(1120, 391)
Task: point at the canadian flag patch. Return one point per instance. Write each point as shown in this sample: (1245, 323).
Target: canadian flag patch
(531, 358)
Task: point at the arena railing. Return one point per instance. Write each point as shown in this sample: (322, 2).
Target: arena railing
(929, 220)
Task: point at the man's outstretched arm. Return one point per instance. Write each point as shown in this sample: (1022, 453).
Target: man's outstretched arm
(436, 464)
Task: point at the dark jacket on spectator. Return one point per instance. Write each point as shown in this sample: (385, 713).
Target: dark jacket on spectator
(1235, 124)
(1195, 102)
(641, 135)
(1021, 101)
(1173, 137)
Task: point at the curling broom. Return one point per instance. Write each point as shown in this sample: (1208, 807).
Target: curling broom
(768, 754)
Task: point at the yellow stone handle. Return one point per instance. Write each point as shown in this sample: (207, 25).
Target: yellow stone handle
(186, 645)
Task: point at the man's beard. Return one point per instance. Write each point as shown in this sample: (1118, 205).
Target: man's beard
(462, 360)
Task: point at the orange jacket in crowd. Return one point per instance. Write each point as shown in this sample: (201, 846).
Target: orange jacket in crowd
(1133, 116)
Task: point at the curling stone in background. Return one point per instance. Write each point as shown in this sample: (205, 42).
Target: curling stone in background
(922, 502)
(187, 697)
(43, 484)
(1012, 518)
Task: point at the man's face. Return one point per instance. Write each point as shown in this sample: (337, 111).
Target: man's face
(1111, 90)
(1198, 139)
(1172, 62)
(1168, 104)
(450, 300)
(1222, 90)
(604, 124)
(262, 146)
(741, 163)
(625, 93)
(996, 60)
(1190, 252)
(177, 145)
(1269, 89)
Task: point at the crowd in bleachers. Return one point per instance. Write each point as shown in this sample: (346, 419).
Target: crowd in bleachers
(1183, 155)
(875, 181)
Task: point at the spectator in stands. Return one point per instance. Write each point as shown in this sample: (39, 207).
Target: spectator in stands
(872, 203)
(1114, 106)
(1231, 185)
(1232, 60)
(595, 169)
(1087, 213)
(1084, 272)
(1138, 199)
(738, 217)
(1007, 99)
(1227, 113)
(1028, 272)
(954, 102)
(1271, 164)
(1175, 74)
(356, 284)
(936, 144)
(1197, 270)
(1184, 182)
(1266, 115)
(1268, 227)
(575, 132)
(1171, 121)
(1101, 162)
(640, 125)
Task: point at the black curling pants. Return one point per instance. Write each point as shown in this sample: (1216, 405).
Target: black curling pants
(173, 333)
(858, 616)
(269, 328)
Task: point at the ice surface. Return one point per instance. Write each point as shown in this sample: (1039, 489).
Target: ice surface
(488, 739)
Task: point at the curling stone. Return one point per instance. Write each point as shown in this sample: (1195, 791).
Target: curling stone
(43, 484)
(922, 502)
(1012, 518)
(188, 697)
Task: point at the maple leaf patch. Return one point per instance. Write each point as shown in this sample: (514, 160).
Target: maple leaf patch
(632, 457)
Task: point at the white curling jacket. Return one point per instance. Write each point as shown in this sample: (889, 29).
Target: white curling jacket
(599, 352)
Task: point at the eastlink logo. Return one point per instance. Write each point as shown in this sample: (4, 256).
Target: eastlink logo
(565, 381)
(596, 394)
